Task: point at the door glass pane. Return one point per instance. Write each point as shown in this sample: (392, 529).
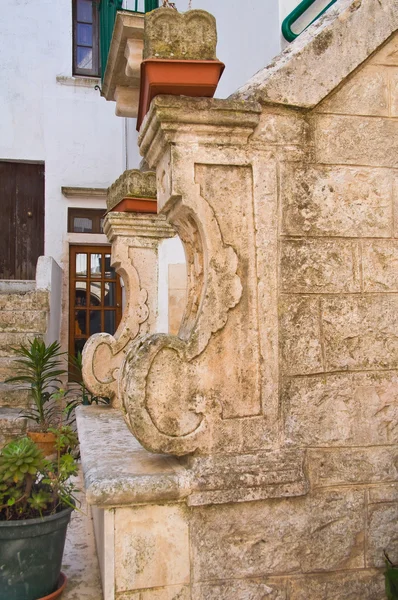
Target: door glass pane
(81, 265)
(95, 265)
(110, 321)
(82, 225)
(110, 291)
(85, 11)
(109, 271)
(84, 57)
(95, 321)
(95, 293)
(81, 293)
(79, 345)
(84, 34)
(80, 323)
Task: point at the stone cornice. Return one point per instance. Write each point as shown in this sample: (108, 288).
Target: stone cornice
(205, 120)
(132, 184)
(140, 225)
(322, 57)
(83, 192)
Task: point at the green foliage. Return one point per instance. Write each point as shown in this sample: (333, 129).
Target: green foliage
(391, 579)
(85, 397)
(66, 439)
(38, 370)
(32, 486)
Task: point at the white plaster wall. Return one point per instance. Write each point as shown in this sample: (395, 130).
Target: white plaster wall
(171, 252)
(70, 128)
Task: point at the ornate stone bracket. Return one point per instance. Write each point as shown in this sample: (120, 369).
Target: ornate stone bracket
(179, 392)
(135, 239)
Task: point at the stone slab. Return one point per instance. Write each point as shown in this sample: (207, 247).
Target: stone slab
(253, 589)
(128, 474)
(299, 535)
(360, 332)
(23, 320)
(382, 534)
(351, 585)
(336, 201)
(152, 547)
(347, 409)
(319, 266)
(379, 260)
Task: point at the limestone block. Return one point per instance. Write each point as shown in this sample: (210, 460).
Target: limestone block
(379, 260)
(336, 201)
(382, 533)
(134, 184)
(170, 34)
(323, 532)
(365, 93)
(387, 54)
(34, 321)
(34, 300)
(351, 409)
(240, 590)
(13, 339)
(351, 585)
(173, 592)
(279, 126)
(126, 101)
(394, 91)
(342, 466)
(319, 266)
(381, 494)
(356, 140)
(152, 546)
(300, 336)
(360, 332)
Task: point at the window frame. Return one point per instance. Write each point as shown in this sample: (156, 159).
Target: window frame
(96, 70)
(95, 214)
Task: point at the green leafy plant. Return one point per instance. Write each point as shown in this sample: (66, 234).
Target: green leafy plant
(391, 579)
(38, 370)
(32, 486)
(84, 397)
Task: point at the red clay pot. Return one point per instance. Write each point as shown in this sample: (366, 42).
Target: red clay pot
(195, 78)
(45, 441)
(137, 205)
(62, 581)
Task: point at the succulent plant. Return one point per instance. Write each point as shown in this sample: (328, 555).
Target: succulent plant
(19, 458)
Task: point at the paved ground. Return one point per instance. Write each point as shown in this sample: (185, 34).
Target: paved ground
(80, 562)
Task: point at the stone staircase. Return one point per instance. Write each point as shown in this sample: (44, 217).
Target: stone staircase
(23, 316)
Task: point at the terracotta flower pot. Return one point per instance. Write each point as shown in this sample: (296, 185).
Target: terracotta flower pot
(194, 78)
(136, 205)
(45, 441)
(62, 581)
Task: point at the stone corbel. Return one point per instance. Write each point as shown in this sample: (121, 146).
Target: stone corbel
(135, 239)
(181, 392)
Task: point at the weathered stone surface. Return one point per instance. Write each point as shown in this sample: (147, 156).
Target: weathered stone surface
(356, 140)
(11, 425)
(382, 534)
(319, 55)
(34, 300)
(133, 184)
(366, 93)
(336, 201)
(351, 585)
(170, 34)
(34, 321)
(319, 266)
(135, 239)
(387, 54)
(343, 466)
(151, 543)
(300, 335)
(379, 259)
(318, 533)
(394, 92)
(360, 332)
(280, 126)
(383, 493)
(352, 409)
(173, 592)
(240, 590)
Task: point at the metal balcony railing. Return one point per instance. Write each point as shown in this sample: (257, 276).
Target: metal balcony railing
(107, 15)
(287, 32)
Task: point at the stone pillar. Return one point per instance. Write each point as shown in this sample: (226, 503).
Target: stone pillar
(135, 240)
(201, 391)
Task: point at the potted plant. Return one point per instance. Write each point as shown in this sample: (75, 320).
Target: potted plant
(38, 370)
(36, 501)
(391, 579)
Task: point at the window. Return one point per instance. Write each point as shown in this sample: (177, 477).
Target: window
(85, 38)
(83, 220)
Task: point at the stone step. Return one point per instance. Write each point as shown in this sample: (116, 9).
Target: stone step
(8, 367)
(12, 396)
(31, 300)
(14, 339)
(32, 321)
(11, 425)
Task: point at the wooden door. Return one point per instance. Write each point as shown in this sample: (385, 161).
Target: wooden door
(95, 298)
(22, 218)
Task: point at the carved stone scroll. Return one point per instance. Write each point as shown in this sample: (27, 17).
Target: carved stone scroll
(179, 392)
(135, 239)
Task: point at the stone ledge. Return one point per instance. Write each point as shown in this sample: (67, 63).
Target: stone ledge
(117, 469)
